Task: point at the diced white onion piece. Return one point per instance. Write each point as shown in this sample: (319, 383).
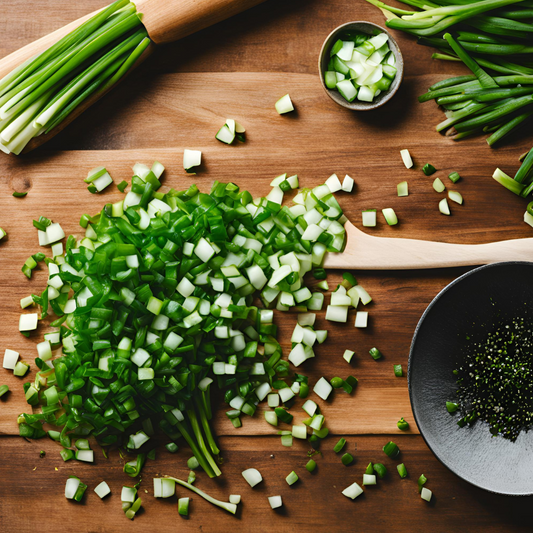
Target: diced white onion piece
(353, 293)
(369, 218)
(204, 250)
(299, 431)
(321, 335)
(528, 219)
(363, 295)
(131, 199)
(444, 208)
(86, 456)
(361, 319)
(334, 183)
(28, 322)
(191, 158)
(284, 105)
(337, 313)
(262, 391)
(353, 491)
(140, 356)
(369, 479)
(70, 307)
(390, 216)
(102, 182)
(403, 188)
(102, 489)
(157, 169)
(140, 170)
(44, 349)
(10, 359)
(54, 233)
(310, 407)
(365, 94)
(297, 355)
(185, 287)
(322, 388)
(271, 417)
(128, 494)
(379, 40)
(157, 206)
(306, 319)
(71, 486)
(340, 299)
(347, 184)
(426, 494)
(235, 498)
(285, 394)
(455, 196)
(438, 185)
(406, 158)
(252, 476)
(347, 356)
(345, 53)
(274, 501)
(225, 135)
(273, 399)
(347, 89)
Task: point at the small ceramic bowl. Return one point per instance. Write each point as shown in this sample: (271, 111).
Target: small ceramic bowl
(323, 59)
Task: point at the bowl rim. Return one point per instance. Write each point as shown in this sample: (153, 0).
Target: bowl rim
(434, 302)
(362, 106)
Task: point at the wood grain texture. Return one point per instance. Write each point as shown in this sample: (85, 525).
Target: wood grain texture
(178, 99)
(314, 503)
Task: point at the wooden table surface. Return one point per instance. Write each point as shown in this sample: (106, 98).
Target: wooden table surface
(238, 69)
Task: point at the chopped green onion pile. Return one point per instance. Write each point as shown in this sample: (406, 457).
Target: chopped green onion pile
(361, 66)
(40, 93)
(155, 303)
(493, 39)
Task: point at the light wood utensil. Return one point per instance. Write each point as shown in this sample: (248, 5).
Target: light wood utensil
(165, 21)
(366, 252)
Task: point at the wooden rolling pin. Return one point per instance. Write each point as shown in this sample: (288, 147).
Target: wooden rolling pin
(365, 251)
(165, 21)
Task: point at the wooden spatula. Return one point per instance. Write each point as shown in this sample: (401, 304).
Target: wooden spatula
(165, 21)
(365, 251)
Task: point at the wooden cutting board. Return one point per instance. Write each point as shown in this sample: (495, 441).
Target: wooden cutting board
(275, 144)
(238, 69)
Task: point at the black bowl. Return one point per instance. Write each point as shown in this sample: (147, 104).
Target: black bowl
(471, 305)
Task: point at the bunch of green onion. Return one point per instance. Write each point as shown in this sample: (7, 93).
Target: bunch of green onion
(39, 94)
(493, 39)
(156, 302)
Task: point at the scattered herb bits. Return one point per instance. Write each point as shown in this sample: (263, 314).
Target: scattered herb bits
(402, 471)
(380, 470)
(360, 66)
(391, 449)
(402, 424)
(428, 169)
(454, 177)
(311, 465)
(340, 445)
(375, 353)
(347, 459)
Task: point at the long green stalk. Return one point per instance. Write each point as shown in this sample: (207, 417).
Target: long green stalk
(506, 128)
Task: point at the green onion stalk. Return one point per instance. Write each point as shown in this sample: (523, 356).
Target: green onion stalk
(156, 303)
(41, 93)
(493, 38)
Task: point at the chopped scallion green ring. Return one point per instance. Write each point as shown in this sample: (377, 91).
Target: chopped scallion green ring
(402, 424)
(402, 470)
(340, 445)
(391, 449)
(398, 371)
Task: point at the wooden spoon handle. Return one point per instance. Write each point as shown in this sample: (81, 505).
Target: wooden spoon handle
(170, 20)
(382, 253)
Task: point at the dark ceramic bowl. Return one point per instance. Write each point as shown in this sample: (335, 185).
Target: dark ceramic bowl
(470, 305)
(323, 59)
